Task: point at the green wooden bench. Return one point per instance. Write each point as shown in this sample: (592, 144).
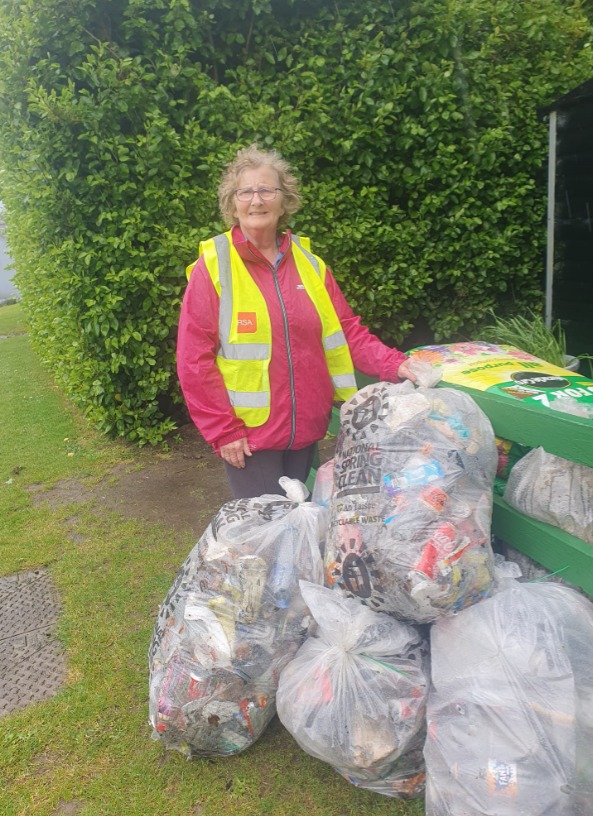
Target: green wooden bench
(562, 435)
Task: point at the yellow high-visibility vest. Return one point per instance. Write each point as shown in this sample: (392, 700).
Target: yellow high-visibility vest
(245, 331)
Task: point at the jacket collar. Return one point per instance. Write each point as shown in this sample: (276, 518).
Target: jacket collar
(246, 249)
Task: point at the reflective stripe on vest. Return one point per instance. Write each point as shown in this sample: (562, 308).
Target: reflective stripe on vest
(245, 350)
(243, 363)
(337, 354)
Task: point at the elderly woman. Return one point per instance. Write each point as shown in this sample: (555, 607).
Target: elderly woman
(266, 340)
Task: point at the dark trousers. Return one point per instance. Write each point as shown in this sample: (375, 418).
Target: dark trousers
(263, 469)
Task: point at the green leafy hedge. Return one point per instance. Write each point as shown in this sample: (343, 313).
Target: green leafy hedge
(412, 125)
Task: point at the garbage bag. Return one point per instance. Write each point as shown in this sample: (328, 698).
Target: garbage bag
(231, 621)
(354, 696)
(510, 708)
(573, 407)
(555, 490)
(411, 508)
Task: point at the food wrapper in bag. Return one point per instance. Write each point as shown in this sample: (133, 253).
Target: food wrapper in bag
(232, 620)
(411, 507)
(355, 694)
(510, 708)
(554, 490)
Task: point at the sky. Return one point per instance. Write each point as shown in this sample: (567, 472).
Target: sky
(7, 288)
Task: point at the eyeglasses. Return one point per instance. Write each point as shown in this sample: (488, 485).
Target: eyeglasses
(265, 193)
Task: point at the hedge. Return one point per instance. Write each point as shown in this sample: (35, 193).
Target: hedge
(412, 125)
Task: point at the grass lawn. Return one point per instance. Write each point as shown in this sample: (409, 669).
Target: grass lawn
(88, 751)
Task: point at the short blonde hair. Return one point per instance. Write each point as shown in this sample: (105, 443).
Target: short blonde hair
(250, 158)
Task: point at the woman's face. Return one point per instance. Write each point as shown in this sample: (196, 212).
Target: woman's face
(257, 216)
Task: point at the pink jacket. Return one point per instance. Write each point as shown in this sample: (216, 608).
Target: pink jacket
(295, 421)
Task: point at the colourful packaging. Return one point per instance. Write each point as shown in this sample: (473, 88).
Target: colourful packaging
(509, 372)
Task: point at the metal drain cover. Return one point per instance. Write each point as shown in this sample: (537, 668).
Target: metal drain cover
(32, 661)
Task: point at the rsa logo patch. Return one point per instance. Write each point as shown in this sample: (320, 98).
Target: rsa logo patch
(246, 322)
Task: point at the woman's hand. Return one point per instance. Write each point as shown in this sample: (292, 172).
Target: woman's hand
(420, 372)
(235, 452)
(404, 372)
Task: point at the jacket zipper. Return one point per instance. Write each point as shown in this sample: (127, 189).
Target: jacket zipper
(288, 354)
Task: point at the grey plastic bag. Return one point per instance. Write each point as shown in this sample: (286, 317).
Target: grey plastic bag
(555, 490)
(510, 708)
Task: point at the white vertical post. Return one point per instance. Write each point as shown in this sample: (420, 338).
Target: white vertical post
(550, 221)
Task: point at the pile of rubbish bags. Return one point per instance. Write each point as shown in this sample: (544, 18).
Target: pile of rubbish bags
(375, 622)
(411, 502)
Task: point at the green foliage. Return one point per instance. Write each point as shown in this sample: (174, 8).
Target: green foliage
(529, 332)
(413, 126)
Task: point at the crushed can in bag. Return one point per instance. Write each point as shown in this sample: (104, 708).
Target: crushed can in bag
(411, 506)
(354, 696)
(232, 620)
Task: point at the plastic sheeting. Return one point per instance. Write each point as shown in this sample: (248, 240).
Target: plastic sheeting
(232, 620)
(411, 507)
(355, 694)
(510, 709)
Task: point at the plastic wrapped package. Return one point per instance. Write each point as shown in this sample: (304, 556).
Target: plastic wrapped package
(554, 490)
(232, 620)
(355, 694)
(510, 708)
(510, 373)
(411, 507)
(324, 483)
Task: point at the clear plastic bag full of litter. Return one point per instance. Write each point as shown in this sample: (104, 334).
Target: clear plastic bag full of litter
(554, 490)
(232, 620)
(411, 504)
(354, 696)
(510, 709)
